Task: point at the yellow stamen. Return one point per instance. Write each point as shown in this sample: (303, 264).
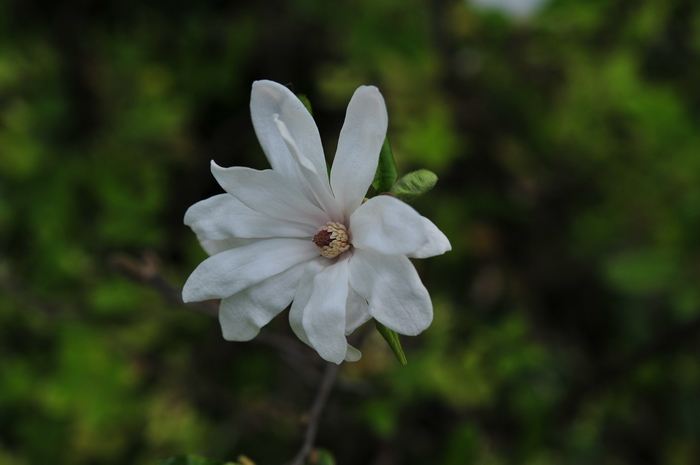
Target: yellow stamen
(331, 240)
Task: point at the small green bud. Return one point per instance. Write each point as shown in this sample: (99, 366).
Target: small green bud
(414, 184)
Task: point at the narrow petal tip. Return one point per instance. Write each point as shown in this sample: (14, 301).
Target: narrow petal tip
(187, 296)
(214, 166)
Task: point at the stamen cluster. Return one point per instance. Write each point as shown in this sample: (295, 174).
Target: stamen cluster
(331, 240)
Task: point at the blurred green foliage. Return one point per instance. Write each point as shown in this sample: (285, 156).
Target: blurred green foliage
(566, 317)
(191, 460)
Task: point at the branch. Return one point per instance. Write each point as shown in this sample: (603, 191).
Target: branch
(147, 271)
(329, 377)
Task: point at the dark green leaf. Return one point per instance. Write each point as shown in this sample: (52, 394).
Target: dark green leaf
(306, 102)
(392, 338)
(385, 176)
(414, 184)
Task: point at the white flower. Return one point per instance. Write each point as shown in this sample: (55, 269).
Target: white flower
(292, 235)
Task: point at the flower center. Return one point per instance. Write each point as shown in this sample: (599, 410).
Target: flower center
(331, 240)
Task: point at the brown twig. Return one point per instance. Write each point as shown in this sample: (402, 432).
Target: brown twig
(314, 418)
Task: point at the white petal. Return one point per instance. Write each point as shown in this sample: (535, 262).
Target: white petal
(270, 98)
(307, 289)
(357, 312)
(388, 226)
(324, 315)
(213, 247)
(231, 271)
(302, 296)
(437, 243)
(223, 216)
(270, 193)
(317, 181)
(359, 145)
(243, 314)
(396, 296)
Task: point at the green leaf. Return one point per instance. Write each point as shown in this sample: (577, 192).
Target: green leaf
(414, 184)
(191, 459)
(385, 176)
(392, 338)
(307, 103)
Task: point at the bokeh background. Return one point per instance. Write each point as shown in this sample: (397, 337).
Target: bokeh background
(565, 135)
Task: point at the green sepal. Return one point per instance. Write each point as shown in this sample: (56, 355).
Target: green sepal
(191, 459)
(392, 338)
(307, 103)
(414, 184)
(385, 176)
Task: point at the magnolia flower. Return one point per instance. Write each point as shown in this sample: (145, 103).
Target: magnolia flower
(292, 235)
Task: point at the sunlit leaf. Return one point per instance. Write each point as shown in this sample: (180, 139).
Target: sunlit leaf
(414, 184)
